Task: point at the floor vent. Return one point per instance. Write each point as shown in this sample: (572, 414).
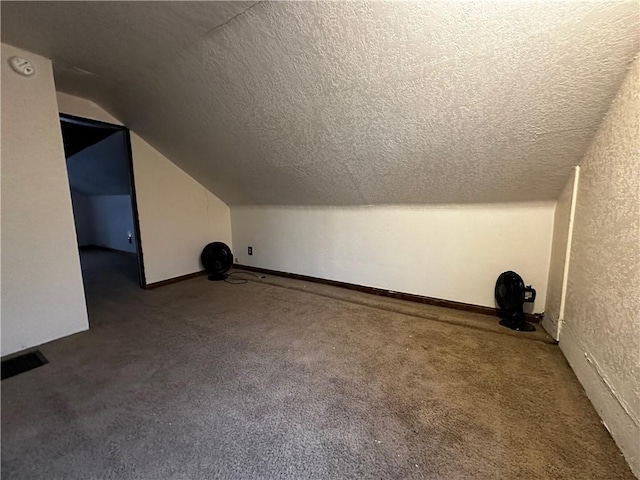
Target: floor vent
(22, 363)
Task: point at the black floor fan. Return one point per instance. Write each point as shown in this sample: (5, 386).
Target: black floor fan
(511, 294)
(217, 260)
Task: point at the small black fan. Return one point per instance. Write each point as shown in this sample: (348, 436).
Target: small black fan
(511, 294)
(217, 260)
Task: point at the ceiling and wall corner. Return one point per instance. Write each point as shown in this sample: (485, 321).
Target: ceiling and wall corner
(452, 252)
(102, 168)
(82, 107)
(77, 136)
(441, 244)
(560, 254)
(101, 189)
(178, 216)
(42, 291)
(600, 334)
(110, 222)
(347, 103)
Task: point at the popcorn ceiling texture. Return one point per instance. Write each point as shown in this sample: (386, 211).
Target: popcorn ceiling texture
(347, 103)
(602, 313)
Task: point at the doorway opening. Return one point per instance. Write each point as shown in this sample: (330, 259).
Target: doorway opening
(100, 170)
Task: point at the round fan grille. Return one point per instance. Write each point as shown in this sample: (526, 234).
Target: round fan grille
(216, 258)
(510, 291)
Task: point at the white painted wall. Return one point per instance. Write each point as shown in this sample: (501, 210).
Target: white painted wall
(560, 250)
(42, 292)
(99, 179)
(451, 252)
(111, 222)
(104, 220)
(102, 168)
(81, 107)
(600, 335)
(82, 218)
(178, 216)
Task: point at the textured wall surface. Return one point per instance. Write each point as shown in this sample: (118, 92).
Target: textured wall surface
(601, 330)
(453, 252)
(42, 292)
(178, 216)
(351, 103)
(555, 286)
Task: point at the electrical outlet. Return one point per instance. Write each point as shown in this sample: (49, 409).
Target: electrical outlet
(250, 250)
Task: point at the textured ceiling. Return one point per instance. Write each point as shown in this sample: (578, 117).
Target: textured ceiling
(347, 103)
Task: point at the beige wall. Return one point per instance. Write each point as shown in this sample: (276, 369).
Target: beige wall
(42, 292)
(81, 107)
(178, 216)
(561, 247)
(452, 252)
(601, 330)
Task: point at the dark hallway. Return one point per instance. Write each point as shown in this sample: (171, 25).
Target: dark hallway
(108, 276)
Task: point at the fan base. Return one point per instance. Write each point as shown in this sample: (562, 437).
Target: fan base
(216, 277)
(519, 325)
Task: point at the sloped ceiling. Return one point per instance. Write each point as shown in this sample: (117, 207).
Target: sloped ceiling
(347, 103)
(102, 168)
(77, 136)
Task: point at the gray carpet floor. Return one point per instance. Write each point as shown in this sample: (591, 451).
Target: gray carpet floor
(278, 378)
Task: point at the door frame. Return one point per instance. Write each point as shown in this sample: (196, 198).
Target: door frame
(132, 184)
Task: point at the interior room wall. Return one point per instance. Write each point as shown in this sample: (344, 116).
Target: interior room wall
(99, 178)
(102, 168)
(600, 335)
(42, 291)
(561, 246)
(82, 218)
(452, 252)
(178, 216)
(104, 220)
(112, 221)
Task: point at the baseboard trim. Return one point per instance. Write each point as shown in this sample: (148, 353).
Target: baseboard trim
(616, 415)
(169, 281)
(467, 307)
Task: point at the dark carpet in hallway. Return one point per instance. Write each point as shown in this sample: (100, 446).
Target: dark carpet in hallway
(282, 379)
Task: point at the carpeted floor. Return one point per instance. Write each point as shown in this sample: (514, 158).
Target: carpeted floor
(282, 379)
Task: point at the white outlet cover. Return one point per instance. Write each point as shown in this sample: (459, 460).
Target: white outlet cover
(22, 66)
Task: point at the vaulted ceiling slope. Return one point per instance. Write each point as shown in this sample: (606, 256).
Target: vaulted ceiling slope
(347, 103)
